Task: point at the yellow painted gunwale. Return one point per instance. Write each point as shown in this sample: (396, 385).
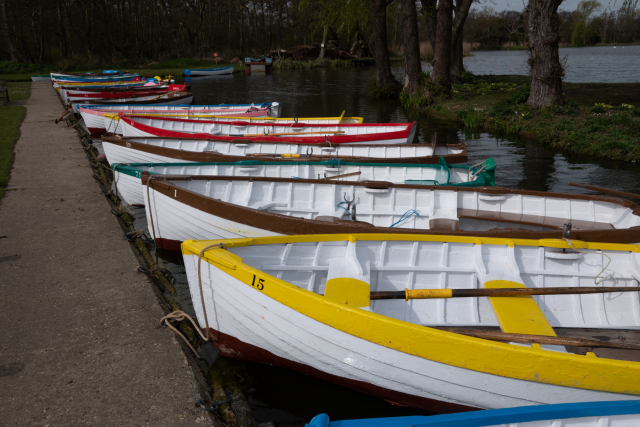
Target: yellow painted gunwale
(490, 357)
(343, 120)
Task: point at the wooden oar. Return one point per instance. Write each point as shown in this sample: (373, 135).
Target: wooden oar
(293, 133)
(539, 339)
(605, 190)
(165, 94)
(344, 175)
(408, 294)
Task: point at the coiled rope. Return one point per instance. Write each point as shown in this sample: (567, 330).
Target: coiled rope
(607, 277)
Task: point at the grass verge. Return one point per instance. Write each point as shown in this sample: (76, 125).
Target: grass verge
(599, 119)
(10, 119)
(19, 90)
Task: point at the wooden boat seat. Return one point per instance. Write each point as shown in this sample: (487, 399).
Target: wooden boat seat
(556, 223)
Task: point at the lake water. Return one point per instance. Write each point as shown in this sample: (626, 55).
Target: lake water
(291, 399)
(601, 64)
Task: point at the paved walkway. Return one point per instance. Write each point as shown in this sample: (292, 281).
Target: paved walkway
(79, 336)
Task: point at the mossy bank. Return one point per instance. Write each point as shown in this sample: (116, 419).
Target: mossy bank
(599, 119)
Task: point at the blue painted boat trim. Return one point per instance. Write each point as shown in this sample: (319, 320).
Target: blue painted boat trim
(494, 417)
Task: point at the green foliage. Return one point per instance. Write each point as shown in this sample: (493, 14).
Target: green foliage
(572, 109)
(598, 110)
(483, 87)
(377, 91)
(501, 108)
(520, 95)
(471, 118)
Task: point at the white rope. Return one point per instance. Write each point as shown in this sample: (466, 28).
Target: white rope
(607, 277)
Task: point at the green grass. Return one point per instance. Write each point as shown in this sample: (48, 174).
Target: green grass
(19, 90)
(10, 119)
(608, 130)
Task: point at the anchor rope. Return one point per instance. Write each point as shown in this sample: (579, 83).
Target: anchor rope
(179, 316)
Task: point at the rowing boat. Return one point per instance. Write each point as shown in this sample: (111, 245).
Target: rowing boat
(305, 303)
(369, 133)
(623, 413)
(175, 98)
(207, 207)
(208, 71)
(112, 120)
(108, 78)
(126, 177)
(171, 150)
(81, 94)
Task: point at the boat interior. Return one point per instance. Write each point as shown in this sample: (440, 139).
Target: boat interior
(353, 269)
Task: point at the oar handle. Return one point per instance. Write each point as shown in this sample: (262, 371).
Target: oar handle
(408, 294)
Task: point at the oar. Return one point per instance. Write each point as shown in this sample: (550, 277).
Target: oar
(605, 190)
(408, 294)
(344, 175)
(165, 94)
(293, 133)
(540, 339)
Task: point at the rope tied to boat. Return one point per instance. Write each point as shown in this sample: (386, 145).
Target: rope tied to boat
(179, 316)
(478, 165)
(566, 236)
(405, 216)
(204, 308)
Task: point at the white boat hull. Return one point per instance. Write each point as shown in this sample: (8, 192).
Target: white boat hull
(254, 326)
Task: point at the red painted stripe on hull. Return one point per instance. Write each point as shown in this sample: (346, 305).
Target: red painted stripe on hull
(234, 348)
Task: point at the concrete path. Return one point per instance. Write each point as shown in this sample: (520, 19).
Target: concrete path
(79, 336)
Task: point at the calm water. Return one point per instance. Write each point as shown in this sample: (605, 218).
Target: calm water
(602, 64)
(291, 399)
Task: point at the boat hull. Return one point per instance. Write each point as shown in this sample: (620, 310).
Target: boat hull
(291, 339)
(164, 100)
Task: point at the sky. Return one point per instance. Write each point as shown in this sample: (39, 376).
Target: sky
(569, 5)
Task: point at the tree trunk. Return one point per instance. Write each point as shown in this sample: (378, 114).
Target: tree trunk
(323, 46)
(8, 32)
(429, 11)
(412, 66)
(544, 59)
(462, 11)
(385, 79)
(441, 75)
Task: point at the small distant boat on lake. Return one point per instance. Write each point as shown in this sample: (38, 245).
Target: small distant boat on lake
(367, 133)
(265, 60)
(624, 413)
(208, 71)
(126, 177)
(369, 311)
(155, 149)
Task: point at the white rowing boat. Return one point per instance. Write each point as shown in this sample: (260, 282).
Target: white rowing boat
(303, 302)
(171, 150)
(126, 177)
(208, 71)
(207, 207)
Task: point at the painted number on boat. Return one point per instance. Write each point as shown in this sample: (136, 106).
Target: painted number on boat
(259, 285)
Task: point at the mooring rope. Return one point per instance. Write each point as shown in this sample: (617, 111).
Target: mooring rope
(204, 309)
(179, 316)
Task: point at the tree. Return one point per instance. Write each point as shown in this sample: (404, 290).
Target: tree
(441, 75)
(584, 32)
(384, 78)
(412, 67)
(544, 59)
(461, 12)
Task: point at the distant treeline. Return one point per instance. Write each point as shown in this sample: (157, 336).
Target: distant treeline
(589, 24)
(138, 32)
